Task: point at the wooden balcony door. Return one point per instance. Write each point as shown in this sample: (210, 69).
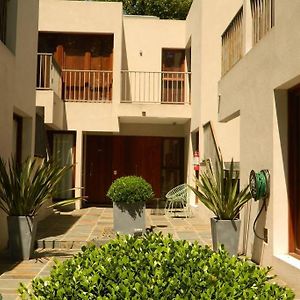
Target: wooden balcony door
(294, 170)
(158, 160)
(173, 77)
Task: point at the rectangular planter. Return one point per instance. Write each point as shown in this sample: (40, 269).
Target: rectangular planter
(226, 232)
(129, 217)
(21, 235)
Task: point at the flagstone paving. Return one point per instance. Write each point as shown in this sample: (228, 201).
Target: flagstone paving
(62, 235)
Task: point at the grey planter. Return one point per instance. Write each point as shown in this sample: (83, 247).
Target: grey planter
(226, 232)
(129, 218)
(21, 235)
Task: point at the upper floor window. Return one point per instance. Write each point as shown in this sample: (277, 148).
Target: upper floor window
(3, 20)
(262, 18)
(173, 76)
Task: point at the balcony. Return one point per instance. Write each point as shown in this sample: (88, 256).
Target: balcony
(155, 87)
(73, 85)
(96, 86)
(262, 18)
(232, 42)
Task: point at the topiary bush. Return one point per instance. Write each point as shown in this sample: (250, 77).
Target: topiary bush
(130, 189)
(155, 267)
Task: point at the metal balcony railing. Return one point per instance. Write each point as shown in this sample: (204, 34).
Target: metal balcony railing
(262, 18)
(232, 42)
(87, 85)
(48, 73)
(155, 87)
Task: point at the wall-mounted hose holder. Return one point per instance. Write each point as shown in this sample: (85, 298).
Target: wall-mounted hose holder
(259, 183)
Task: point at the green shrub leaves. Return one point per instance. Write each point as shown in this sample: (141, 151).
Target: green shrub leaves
(164, 9)
(155, 267)
(130, 189)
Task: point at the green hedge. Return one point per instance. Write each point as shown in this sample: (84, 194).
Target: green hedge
(155, 267)
(164, 9)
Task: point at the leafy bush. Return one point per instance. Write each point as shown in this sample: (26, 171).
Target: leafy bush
(130, 189)
(25, 187)
(155, 267)
(164, 9)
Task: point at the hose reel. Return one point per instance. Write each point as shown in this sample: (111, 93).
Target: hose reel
(259, 183)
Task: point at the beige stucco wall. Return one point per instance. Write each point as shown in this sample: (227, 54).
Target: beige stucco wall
(257, 87)
(132, 51)
(206, 22)
(17, 83)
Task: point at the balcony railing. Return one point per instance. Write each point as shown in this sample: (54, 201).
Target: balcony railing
(262, 18)
(44, 67)
(155, 87)
(232, 42)
(48, 73)
(87, 85)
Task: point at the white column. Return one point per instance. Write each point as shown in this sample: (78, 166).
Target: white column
(78, 168)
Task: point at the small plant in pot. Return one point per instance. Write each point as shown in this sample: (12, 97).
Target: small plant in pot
(24, 189)
(129, 195)
(219, 191)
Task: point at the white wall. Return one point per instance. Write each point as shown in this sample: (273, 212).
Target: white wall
(17, 83)
(257, 86)
(206, 22)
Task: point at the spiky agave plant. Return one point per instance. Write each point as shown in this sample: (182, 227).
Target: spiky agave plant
(219, 191)
(25, 187)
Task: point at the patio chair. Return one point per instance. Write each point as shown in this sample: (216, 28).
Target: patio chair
(177, 201)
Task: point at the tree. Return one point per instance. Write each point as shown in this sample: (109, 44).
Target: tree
(164, 9)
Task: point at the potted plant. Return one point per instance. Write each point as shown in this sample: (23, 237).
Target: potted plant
(24, 188)
(219, 191)
(129, 195)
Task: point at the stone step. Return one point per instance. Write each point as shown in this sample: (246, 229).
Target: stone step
(67, 244)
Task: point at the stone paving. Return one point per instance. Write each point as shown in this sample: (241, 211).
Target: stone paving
(61, 235)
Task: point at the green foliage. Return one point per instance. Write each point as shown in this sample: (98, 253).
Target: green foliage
(130, 189)
(24, 188)
(219, 191)
(155, 267)
(164, 9)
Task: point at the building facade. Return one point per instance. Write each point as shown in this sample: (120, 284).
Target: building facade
(120, 95)
(260, 84)
(18, 48)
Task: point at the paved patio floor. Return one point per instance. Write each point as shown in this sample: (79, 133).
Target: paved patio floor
(63, 234)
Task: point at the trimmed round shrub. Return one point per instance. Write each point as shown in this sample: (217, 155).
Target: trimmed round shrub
(155, 267)
(130, 189)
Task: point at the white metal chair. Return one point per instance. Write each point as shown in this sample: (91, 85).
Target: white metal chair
(177, 201)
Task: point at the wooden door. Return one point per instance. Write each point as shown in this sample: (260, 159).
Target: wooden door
(158, 160)
(140, 156)
(294, 170)
(98, 169)
(173, 77)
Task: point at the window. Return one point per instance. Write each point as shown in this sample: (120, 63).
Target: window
(17, 138)
(3, 20)
(63, 152)
(173, 76)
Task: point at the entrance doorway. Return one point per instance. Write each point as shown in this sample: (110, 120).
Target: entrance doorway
(159, 160)
(294, 170)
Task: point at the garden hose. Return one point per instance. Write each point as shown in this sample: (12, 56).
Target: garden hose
(259, 184)
(260, 190)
